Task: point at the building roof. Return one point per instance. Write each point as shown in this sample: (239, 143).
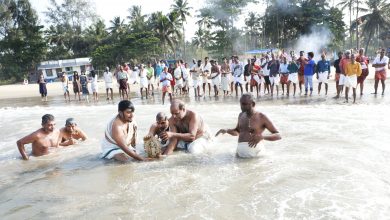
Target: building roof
(53, 64)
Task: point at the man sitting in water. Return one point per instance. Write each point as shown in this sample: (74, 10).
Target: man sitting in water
(71, 133)
(161, 125)
(42, 139)
(250, 127)
(121, 134)
(187, 130)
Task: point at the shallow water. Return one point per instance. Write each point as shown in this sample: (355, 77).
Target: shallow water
(332, 163)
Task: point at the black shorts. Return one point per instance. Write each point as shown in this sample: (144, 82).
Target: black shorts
(266, 79)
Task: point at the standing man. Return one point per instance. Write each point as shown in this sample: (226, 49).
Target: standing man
(122, 79)
(187, 130)
(255, 80)
(196, 72)
(150, 74)
(165, 79)
(301, 75)
(107, 75)
(293, 68)
(352, 71)
(283, 69)
(264, 67)
(380, 64)
(215, 77)
(206, 69)
(343, 64)
(121, 135)
(309, 72)
(274, 77)
(65, 85)
(336, 65)
(247, 74)
(238, 74)
(225, 76)
(249, 129)
(42, 87)
(323, 72)
(363, 60)
(41, 139)
(71, 133)
(178, 74)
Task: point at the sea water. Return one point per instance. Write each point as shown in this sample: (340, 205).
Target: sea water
(332, 163)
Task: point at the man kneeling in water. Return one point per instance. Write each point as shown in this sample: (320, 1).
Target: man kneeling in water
(187, 130)
(250, 127)
(158, 128)
(121, 134)
(70, 134)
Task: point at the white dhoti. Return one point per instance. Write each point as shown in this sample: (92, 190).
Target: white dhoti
(275, 80)
(198, 146)
(323, 77)
(206, 80)
(94, 87)
(215, 81)
(143, 82)
(196, 83)
(350, 81)
(239, 79)
(256, 78)
(179, 83)
(243, 150)
(293, 77)
(225, 83)
(342, 80)
(108, 85)
(150, 81)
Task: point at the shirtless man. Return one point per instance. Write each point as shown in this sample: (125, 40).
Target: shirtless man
(42, 139)
(121, 135)
(187, 130)
(161, 125)
(250, 127)
(71, 133)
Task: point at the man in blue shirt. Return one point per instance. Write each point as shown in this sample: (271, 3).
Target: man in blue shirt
(323, 71)
(309, 72)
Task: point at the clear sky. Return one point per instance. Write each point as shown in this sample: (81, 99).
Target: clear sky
(108, 9)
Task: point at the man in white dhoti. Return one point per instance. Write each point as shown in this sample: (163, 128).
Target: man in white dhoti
(249, 129)
(121, 135)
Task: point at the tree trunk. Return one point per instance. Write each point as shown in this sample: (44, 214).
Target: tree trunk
(184, 44)
(368, 40)
(350, 21)
(357, 25)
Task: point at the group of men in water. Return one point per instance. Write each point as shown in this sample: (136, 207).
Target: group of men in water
(185, 130)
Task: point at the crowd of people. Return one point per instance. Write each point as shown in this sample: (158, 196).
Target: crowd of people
(262, 76)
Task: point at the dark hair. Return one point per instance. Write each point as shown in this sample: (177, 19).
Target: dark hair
(46, 118)
(125, 104)
(310, 54)
(93, 73)
(161, 116)
(248, 96)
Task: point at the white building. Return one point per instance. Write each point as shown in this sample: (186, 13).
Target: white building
(53, 69)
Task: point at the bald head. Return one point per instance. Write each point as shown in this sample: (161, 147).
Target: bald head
(177, 103)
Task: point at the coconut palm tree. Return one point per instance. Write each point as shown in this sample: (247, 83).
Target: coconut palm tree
(181, 9)
(117, 26)
(137, 20)
(200, 40)
(377, 19)
(166, 30)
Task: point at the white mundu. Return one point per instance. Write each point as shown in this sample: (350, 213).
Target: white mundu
(323, 77)
(217, 80)
(243, 150)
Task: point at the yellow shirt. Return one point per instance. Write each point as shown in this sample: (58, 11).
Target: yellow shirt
(353, 69)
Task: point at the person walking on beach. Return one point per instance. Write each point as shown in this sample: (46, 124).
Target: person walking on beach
(274, 67)
(107, 75)
(293, 68)
(71, 133)
(76, 85)
(352, 71)
(323, 72)
(150, 74)
(42, 139)
(343, 63)
(65, 86)
(187, 130)
(225, 77)
(206, 70)
(215, 77)
(238, 74)
(249, 129)
(42, 87)
(380, 64)
(283, 69)
(196, 72)
(165, 79)
(122, 80)
(143, 81)
(363, 60)
(121, 135)
(301, 71)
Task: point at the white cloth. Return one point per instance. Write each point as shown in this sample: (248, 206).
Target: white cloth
(274, 79)
(243, 149)
(198, 146)
(293, 77)
(256, 78)
(217, 80)
(323, 77)
(342, 80)
(225, 82)
(378, 60)
(206, 69)
(109, 146)
(350, 81)
(143, 81)
(167, 76)
(178, 78)
(94, 84)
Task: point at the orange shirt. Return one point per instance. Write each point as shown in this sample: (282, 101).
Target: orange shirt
(353, 69)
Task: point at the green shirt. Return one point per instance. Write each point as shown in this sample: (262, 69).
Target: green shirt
(149, 72)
